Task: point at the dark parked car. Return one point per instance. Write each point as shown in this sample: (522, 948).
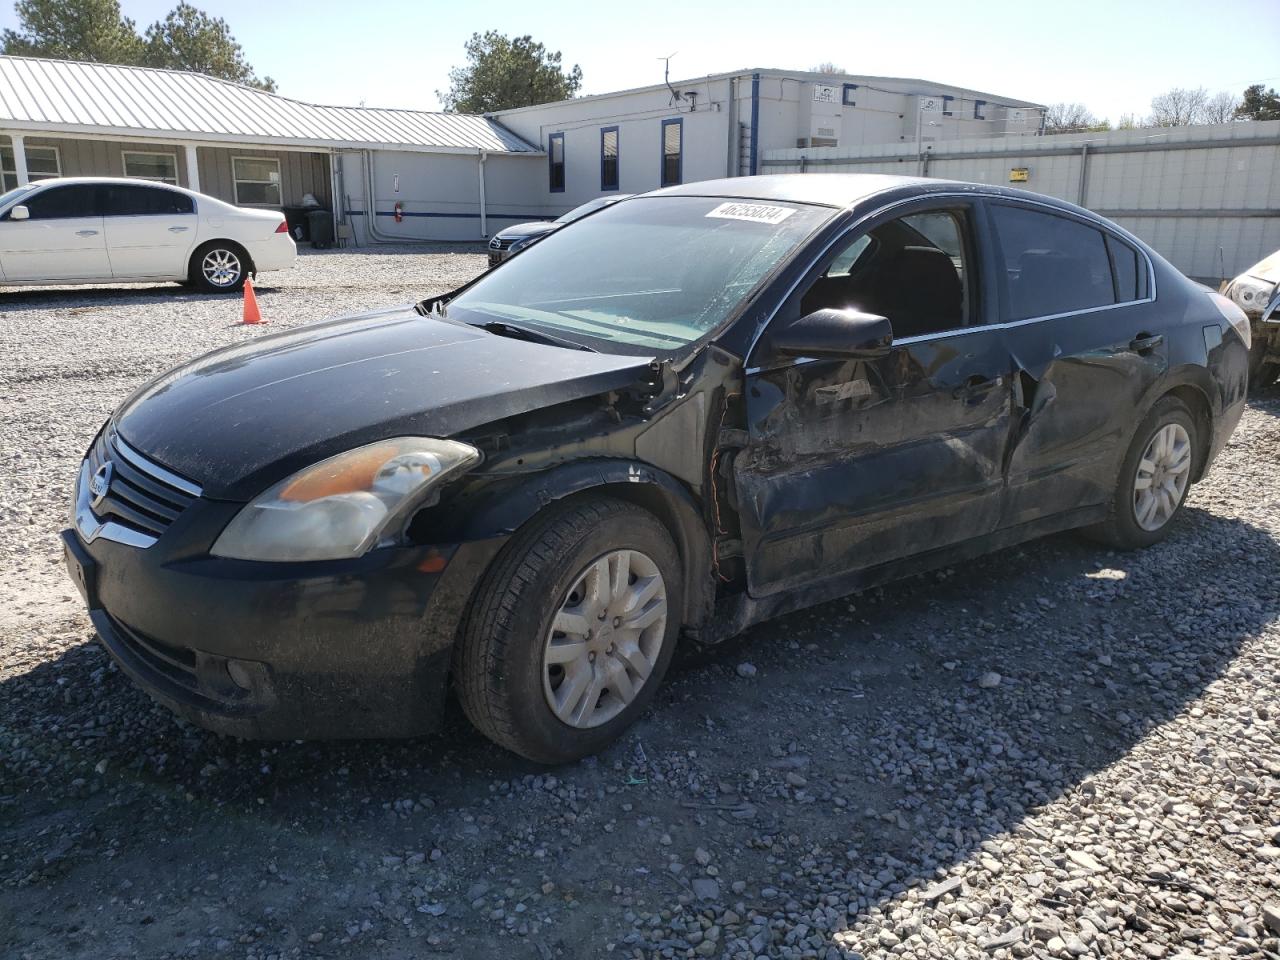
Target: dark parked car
(695, 410)
(515, 238)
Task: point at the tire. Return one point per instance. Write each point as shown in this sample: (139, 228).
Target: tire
(501, 670)
(203, 271)
(1131, 523)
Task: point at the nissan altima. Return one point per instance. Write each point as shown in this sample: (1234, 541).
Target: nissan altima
(686, 413)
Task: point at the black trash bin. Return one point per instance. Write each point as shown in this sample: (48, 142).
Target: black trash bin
(296, 218)
(321, 224)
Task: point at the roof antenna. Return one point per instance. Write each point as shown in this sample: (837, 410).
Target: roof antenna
(676, 96)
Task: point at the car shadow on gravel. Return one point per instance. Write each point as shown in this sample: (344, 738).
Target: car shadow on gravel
(92, 298)
(869, 744)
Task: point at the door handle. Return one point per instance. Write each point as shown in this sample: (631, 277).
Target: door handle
(976, 386)
(86, 233)
(1145, 342)
(178, 229)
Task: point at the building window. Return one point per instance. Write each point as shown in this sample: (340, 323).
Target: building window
(850, 98)
(151, 166)
(946, 105)
(672, 151)
(609, 158)
(555, 162)
(257, 180)
(977, 109)
(42, 163)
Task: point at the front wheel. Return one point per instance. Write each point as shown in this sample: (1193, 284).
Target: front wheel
(219, 267)
(571, 631)
(1155, 478)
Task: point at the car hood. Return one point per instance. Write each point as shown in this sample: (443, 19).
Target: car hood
(535, 229)
(244, 417)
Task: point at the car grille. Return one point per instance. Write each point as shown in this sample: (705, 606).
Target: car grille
(142, 496)
(501, 243)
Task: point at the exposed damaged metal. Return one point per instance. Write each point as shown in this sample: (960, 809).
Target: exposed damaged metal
(721, 407)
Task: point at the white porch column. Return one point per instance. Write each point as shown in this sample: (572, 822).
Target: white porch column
(484, 210)
(193, 168)
(20, 158)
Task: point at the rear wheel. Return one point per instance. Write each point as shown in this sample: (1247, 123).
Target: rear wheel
(219, 267)
(1154, 478)
(571, 631)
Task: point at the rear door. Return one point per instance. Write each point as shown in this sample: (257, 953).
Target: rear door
(1083, 330)
(150, 230)
(62, 240)
(853, 463)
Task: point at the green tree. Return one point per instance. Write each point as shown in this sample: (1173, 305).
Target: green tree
(504, 73)
(73, 30)
(190, 39)
(95, 30)
(1259, 103)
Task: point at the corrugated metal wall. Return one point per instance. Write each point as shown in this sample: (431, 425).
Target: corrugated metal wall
(1207, 198)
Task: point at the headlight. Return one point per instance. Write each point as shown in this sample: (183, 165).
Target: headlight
(1251, 295)
(343, 506)
(1234, 316)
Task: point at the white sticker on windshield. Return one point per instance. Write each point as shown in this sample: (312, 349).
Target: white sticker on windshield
(755, 212)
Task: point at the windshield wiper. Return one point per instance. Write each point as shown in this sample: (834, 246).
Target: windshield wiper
(515, 332)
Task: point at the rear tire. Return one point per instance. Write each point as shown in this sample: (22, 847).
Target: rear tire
(219, 266)
(544, 604)
(1154, 479)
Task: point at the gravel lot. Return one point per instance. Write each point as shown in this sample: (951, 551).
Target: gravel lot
(1055, 751)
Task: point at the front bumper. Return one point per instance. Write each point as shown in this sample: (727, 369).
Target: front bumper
(332, 650)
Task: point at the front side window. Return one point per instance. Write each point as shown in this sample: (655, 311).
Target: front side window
(555, 162)
(915, 270)
(257, 180)
(42, 163)
(672, 152)
(647, 275)
(60, 203)
(151, 166)
(1052, 264)
(609, 158)
(128, 200)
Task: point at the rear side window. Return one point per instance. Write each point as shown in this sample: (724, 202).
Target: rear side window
(59, 203)
(1052, 264)
(126, 200)
(1127, 266)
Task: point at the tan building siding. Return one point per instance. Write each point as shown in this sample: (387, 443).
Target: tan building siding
(104, 158)
(300, 173)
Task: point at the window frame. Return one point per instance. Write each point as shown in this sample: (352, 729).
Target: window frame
(278, 182)
(678, 123)
(7, 172)
(606, 187)
(551, 163)
(124, 165)
(1000, 267)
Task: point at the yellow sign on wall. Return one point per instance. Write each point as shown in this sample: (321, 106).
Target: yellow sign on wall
(1019, 175)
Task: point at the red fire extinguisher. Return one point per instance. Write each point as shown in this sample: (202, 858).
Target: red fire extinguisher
(399, 211)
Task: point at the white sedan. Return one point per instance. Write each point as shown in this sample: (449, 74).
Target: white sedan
(91, 230)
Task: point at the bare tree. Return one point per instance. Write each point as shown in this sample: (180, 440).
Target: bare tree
(1221, 108)
(1178, 107)
(828, 68)
(1071, 118)
(1128, 121)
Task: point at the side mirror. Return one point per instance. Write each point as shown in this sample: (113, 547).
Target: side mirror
(835, 333)
(20, 212)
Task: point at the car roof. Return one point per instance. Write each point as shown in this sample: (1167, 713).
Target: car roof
(136, 181)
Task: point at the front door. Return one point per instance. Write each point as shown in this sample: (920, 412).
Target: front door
(855, 463)
(150, 230)
(62, 240)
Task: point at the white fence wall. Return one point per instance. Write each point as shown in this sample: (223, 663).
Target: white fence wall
(1207, 197)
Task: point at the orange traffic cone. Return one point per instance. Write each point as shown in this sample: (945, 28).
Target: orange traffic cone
(252, 314)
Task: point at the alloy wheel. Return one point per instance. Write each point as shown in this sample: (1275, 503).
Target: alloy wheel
(221, 267)
(1163, 474)
(605, 639)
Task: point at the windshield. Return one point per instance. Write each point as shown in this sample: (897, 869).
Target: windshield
(15, 193)
(657, 273)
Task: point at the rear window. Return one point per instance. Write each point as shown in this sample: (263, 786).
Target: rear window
(1052, 264)
(129, 200)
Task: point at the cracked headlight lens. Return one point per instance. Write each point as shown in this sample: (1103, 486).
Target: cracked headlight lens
(343, 506)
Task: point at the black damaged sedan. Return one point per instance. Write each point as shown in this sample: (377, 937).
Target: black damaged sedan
(700, 408)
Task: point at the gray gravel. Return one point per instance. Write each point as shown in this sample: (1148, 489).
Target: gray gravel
(1055, 751)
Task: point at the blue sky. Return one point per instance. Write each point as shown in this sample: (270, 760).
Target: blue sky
(1111, 56)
